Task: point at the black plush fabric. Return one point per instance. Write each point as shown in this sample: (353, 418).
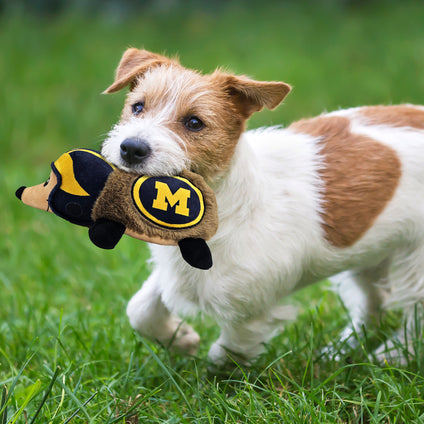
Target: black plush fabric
(90, 172)
(196, 253)
(19, 191)
(105, 233)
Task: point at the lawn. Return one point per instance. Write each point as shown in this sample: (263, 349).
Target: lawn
(67, 352)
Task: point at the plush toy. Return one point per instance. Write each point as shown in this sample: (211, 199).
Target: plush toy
(86, 190)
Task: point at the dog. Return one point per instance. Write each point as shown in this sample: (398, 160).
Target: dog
(337, 195)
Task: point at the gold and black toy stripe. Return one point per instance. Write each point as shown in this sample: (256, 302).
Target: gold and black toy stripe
(81, 175)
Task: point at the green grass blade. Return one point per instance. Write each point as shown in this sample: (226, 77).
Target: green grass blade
(14, 382)
(169, 374)
(34, 389)
(46, 395)
(80, 408)
(3, 406)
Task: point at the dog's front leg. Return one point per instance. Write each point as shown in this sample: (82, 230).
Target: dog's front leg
(242, 341)
(151, 318)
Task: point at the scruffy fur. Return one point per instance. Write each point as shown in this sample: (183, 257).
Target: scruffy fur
(340, 194)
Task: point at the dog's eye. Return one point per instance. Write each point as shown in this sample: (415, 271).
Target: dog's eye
(193, 123)
(137, 108)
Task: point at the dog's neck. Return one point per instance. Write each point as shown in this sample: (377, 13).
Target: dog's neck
(238, 189)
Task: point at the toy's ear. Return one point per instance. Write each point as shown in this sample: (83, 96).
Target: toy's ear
(196, 253)
(251, 96)
(135, 62)
(37, 196)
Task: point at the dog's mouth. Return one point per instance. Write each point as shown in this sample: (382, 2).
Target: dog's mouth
(150, 166)
(134, 169)
(158, 152)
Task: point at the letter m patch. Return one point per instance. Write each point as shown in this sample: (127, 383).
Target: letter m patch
(165, 197)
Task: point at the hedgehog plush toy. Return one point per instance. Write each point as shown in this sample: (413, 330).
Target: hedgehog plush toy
(86, 190)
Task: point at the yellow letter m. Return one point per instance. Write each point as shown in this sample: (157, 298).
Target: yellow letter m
(165, 196)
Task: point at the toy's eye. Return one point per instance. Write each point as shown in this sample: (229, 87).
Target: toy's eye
(193, 123)
(48, 180)
(137, 108)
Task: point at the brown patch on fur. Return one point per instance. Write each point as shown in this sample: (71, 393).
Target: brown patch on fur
(360, 177)
(115, 203)
(251, 96)
(211, 149)
(395, 116)
(135, 62)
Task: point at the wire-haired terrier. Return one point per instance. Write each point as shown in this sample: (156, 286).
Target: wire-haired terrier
(338, 195)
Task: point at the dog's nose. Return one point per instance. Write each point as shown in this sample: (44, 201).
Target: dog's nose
(134, 150)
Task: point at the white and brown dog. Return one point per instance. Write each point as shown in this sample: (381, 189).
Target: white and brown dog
(340, 194)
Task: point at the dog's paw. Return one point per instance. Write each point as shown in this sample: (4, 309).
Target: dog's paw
(341, 350)
(330, 352)
(185, 340)
(222, 358)
(217, 355)
(392, 353)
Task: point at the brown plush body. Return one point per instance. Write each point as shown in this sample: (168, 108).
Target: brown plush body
(116, 203)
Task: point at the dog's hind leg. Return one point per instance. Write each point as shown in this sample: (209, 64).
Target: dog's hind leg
(362, 294)
(151, 318)
(406, 292)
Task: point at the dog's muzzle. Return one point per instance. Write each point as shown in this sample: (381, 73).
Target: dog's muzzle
(134, 151)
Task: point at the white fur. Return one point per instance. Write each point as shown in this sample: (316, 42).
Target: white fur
(270, 241)
(168, 155)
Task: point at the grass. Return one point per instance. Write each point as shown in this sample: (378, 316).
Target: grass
(67, 353)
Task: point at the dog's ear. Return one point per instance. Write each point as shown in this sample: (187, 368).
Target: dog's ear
(251, 96)
(135, 62)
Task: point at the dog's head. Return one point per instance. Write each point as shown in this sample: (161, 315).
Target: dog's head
(175, 118)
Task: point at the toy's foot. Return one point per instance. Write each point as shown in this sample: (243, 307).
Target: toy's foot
(196, 253)
(105, 233)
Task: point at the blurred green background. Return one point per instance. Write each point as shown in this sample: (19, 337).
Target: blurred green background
(62, 299)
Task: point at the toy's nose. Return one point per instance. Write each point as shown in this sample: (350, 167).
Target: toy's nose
(19, 191)
(134, 150)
